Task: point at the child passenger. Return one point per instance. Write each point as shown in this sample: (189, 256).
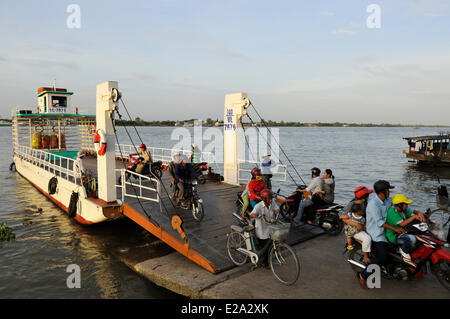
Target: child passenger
(355, 228)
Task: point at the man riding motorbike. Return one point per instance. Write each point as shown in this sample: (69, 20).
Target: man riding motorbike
(401, 215)
(376, 214)
(315, 187)
(171, 169)
(147, 159)
(184, 173)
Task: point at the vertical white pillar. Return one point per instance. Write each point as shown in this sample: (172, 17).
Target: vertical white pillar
(106, 164)
(235, 106)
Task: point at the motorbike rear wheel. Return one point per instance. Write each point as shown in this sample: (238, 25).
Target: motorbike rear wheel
(336, 224)
(442, 272)
(201, 179)
(287, 213)
(158, 172)
(357, 255)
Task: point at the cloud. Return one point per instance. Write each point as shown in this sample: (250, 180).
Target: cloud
(343, 31)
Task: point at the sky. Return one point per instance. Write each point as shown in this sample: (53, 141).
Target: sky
(305, 61)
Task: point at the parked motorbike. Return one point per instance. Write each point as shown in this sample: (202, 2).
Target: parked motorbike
(199, 168)
(428, 251)
(191, 200)
(325, 216)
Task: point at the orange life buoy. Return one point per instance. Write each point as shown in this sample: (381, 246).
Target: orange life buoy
(100, 142)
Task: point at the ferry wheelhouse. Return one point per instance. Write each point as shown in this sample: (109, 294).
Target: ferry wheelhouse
(46, 142)
(432, 149)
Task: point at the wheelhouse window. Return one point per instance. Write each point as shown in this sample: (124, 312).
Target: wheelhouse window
(59, 101)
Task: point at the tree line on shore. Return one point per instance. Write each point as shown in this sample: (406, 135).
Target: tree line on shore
(210, 122)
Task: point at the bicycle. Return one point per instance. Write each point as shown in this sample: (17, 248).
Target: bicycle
(283, 261)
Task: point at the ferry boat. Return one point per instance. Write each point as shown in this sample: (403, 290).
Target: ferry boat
(431, 149)
(46, 143)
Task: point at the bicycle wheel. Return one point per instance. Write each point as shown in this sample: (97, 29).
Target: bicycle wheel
(236, 240)
(284, 263)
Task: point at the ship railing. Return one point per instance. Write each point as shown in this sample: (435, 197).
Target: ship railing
(61, 166)
(139, 186)
(166, 154)
(279, 172)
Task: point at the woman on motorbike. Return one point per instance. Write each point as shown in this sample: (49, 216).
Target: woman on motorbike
(361, 197)
(327, 193)
(255, 186)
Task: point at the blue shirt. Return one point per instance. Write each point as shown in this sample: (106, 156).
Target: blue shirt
(376, 215)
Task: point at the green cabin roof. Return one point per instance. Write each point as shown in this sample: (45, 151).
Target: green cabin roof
(56, 92)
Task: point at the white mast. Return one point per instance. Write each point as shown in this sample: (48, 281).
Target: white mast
(106, 164)
(235, 106)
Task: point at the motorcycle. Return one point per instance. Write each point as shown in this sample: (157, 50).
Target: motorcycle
(191, 200)
(428, 251)
(156, 168)
(325, 216)
(199, 168)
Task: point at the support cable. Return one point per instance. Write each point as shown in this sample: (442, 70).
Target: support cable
(282, 150)
(132, 142)
(287, 171)
(134, 189)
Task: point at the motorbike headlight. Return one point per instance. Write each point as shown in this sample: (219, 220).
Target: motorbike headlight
(194, 182)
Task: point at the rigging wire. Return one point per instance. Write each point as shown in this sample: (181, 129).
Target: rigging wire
(271, 149)
(132, 186)
(132, 142)
(121, 154)
(282, 150)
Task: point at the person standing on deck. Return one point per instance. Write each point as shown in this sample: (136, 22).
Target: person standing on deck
(81, 171)
(266, 170)
(184, 174)
(195, 154)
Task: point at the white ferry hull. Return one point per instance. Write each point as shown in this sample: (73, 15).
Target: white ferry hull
(87, 212)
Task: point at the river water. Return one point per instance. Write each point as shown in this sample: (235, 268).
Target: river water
(47, 241)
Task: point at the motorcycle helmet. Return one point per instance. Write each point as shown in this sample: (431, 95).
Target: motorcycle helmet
(256, 172)
(381, 185)
(315, 171)
(400, 199)
(266, 193)
(360, 191)
(143, 146)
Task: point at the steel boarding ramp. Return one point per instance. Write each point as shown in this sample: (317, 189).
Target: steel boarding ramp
(206, 241)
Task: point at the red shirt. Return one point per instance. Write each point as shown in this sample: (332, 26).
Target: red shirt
(255, 187)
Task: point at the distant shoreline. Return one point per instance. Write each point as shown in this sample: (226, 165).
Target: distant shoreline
(209, 123)
(271, 124)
